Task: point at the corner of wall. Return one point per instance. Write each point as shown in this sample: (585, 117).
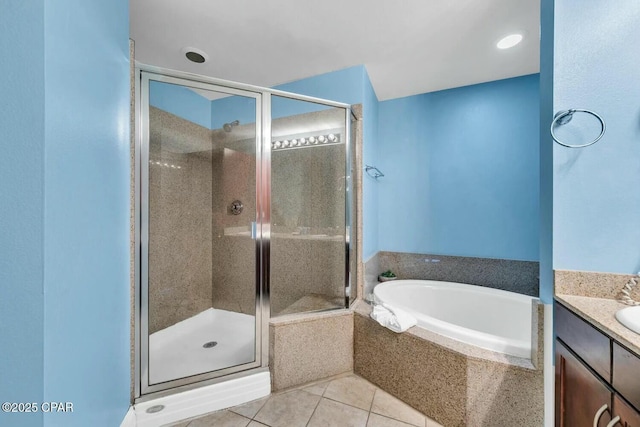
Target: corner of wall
(546, 151)
(369, 157)
(546, 201)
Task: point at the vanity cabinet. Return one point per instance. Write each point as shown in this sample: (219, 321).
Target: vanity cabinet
(596, 377)
(579, 393)
(629, 417)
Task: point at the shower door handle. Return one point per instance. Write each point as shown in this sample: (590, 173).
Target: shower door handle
(254, 230)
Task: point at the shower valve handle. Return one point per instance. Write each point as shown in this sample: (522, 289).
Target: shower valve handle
(236, 207)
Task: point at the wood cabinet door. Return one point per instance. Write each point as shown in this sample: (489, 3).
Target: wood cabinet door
(579, 393)
(629, 417)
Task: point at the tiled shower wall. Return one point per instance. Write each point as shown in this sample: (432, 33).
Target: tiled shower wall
(203, 256)
(234, 178)
(180, 206)
(307, 191)
(304, 186)
(509, 275)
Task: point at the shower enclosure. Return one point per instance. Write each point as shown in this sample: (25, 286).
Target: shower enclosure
(243, 213)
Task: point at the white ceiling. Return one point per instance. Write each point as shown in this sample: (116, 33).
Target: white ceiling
(407, 46)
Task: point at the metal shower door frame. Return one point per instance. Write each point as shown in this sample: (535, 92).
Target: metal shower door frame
(143, 75)
(142, 376)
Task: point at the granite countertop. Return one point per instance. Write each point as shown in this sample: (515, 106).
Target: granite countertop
(601, 313)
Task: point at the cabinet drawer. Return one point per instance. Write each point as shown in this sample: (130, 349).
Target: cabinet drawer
(626, 374)
(585, 340)
(629, 417)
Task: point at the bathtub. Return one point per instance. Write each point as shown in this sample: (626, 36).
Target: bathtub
(484, 317)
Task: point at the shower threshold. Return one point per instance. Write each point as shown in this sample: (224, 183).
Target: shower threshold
(187, 348)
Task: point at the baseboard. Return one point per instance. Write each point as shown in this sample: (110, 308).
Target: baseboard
(193, 403)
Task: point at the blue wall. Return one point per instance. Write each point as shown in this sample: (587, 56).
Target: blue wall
(231, 108)
(341, 86)
(370, 187)
(86, 216)
(180, 101)
(64, 257)
(597, 189)
(21, 208)
(462, 167)
(546, 151)
(404, 210)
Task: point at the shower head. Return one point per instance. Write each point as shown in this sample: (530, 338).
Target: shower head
(228, 126)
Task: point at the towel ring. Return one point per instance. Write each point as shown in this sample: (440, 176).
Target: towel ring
(564, 117)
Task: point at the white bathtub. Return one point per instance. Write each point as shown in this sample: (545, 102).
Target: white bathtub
(488, 318)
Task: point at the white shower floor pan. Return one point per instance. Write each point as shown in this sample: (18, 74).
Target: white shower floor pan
(178, 352)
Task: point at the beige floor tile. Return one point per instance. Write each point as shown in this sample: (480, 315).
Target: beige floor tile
(220, 419)
(330, 413)
(351, 390)
(290, 409)
(387, 405)
(347, 401)
(317, 389)
(432, 423)
(376, 420)
(250, 409)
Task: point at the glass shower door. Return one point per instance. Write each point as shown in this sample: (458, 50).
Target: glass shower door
(310, 180)
(200, 234)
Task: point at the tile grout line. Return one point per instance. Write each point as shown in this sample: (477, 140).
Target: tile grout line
(322, 396)
(371, 405)
(373, 398)
(368, 416)
(402, 402)
(348, 404)
(344, 403)
(259, 409)
(370, 411)
(314, 410)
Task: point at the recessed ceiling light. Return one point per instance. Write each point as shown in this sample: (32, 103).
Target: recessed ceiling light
(509, 41)
(195, 55)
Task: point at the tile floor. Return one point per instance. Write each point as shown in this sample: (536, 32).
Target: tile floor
(348, 401)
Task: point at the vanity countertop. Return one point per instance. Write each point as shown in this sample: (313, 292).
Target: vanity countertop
(601, 313)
